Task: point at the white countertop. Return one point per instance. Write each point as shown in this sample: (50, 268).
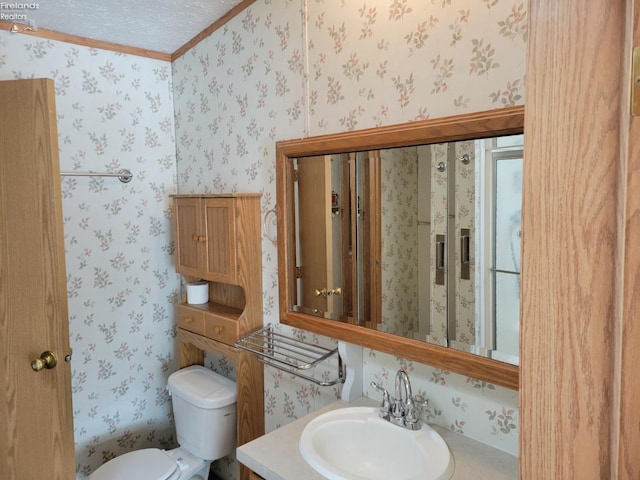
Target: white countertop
(275, 456)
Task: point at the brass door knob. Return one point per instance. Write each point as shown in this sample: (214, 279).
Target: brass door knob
(47, 360)
(327, 293)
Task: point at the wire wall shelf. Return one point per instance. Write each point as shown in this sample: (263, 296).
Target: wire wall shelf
(290, 354)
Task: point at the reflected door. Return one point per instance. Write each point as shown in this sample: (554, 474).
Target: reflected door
(314, 249)
(366, 204)
(338, 237)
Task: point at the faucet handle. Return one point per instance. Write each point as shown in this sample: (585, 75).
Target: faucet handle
(385, 406)
(412, 416)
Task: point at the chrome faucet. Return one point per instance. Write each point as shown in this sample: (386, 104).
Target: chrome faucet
(401, 412)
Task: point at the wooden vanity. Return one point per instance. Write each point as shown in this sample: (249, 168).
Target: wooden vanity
(218, 240)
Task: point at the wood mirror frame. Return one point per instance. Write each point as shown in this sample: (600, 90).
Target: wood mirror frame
(506, 121)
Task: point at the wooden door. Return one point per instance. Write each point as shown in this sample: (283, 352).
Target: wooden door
(221, 252)
(347, 273)
(314, 202)
(369, 239)
(36, 431)
(189, 236)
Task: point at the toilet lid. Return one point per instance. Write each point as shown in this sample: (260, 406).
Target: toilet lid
(147, 464)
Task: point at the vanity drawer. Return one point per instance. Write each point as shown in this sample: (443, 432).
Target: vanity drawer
(222, 329)
(191, 319)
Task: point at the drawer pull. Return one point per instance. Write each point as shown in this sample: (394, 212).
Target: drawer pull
(217, 330)
(188, 320)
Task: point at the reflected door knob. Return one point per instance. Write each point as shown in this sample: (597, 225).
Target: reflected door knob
(327, 293)
(47, 360)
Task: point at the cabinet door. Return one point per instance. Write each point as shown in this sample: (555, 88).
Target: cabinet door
(189, 237)
(221, 250)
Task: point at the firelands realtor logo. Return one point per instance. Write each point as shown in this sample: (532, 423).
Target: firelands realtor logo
(16, 12)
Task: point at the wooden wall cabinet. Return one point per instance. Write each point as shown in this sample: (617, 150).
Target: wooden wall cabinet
(218, 239)
(206, 238)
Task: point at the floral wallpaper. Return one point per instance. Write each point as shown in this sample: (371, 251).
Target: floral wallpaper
(470, 407)
(465, 201)
(390, 61)
(439, 154)
(399, 204)
(209, 123)
(114, 111)
(404, 214)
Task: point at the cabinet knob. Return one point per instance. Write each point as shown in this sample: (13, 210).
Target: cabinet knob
(188, 320)
(217, 330)
(194, 238)
(201, 238)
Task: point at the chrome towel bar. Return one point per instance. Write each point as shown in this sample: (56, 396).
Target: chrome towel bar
(123, 175)
(289, 354)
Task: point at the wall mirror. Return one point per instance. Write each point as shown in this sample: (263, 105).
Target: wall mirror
(405, 239)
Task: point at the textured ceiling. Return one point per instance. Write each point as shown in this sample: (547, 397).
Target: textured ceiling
(158, 25)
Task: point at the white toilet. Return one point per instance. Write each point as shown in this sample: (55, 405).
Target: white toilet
(204, 410)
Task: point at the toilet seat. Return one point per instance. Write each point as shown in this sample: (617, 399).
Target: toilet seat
(146, 464)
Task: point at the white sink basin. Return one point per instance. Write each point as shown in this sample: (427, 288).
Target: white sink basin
(356, 444)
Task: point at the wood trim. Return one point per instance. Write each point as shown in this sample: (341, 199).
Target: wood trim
(140, 52)
(475, 125)
(503, 121)
(210, 29)
(571, 227)
(345, 247)
(88, 42)
(498, 373)
(375, 237)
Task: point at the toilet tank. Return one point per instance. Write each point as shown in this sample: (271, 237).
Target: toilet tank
(204, 410)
